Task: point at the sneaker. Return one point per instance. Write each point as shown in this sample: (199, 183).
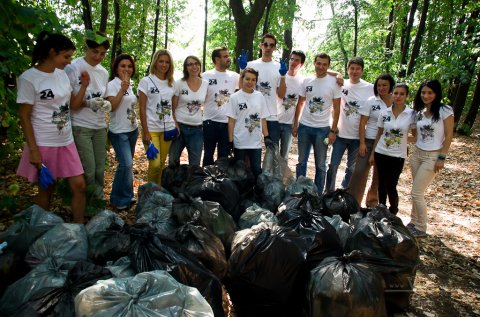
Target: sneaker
(417, 233)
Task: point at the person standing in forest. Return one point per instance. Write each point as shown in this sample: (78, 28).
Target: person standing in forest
(221, 84)
(319, 95)
(434, 122)
(355, 92)
(287, 105)
(123, 129)
(45, 98)
(88, 119)
(155, 94)
(367, 131)
(271, 82)
(188, 101)
(390, 146)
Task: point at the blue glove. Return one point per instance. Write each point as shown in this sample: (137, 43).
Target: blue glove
(283, 67)
(152, 152)
(45, 177)
(243, 59)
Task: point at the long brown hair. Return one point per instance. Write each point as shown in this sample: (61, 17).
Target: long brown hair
(153, 67)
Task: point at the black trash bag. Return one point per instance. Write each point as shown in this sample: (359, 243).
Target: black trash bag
(145, 191)
(67, 240)
(263, 271)
(12, 268)
(300, 184)
(321, 239)
(340, 202)
(161, 219)
(157, 200)
(121, 267)
(342, 228)
(383, 236)
(255, 215)
(345, 287)
(398, 291)
(176, 177)
(151, 251)
(269, 191)
(51, 273)
(29, 225)
(275, 165)
(102, 221)
(148, 294)
(187, 209)
(205, 246)
(212, 184)
(109, 244)
(59, 300)
(237, 172)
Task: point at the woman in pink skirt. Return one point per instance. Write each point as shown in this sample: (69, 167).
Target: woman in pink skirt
(44, 98)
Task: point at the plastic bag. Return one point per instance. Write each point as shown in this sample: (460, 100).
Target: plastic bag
(175, 177)
(157, 199)
(342, 228)
(159, 218)
(145, 191)
(340, 202)
(255, 215)
(344, 286)
(237, 172)
(270, 191)
(109, 244)
(68, 241)
(275, 165)
(146, 294)
(102, 221)
(300, 184)
(121, 267)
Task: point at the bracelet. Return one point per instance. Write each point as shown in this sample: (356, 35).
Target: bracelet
(333, 131)
(442, 157)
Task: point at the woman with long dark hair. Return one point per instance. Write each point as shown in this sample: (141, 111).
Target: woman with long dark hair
(434, 122)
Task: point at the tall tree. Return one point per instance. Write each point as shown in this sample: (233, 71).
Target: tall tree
(204, 54)
(473, 111)
(287, 34)
(166, 25)
(155, 30)
(405, 41)
(87, 15)
(339, 35)
(104, 17)
(117, 35)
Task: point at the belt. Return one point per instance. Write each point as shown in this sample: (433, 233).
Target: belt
(192, 126)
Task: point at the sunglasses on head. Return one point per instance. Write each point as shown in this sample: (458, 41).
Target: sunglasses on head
(272, 45)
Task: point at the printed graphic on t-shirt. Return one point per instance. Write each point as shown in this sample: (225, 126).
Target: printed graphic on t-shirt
(222, 97)
(46, 94)
(351, 109)
(61, 117)
(289, 101)
(194, 106)
(212, 81)
(164, 108)
(184, 92)
(345, 92)
(131, 115)
(376, 108)
(386, 118)
(393, 138)
(427, 132)
(316, 104)
(154, 90)
(264, 87)
(252, 122)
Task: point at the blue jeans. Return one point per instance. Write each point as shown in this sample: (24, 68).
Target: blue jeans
(308, 136)
(215, 135)
(339, 147)
(122, 187)
(285, 139)
(274, 131)
(255, 156)
(190, 137)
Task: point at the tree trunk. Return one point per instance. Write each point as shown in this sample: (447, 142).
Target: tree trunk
(155, 32)
(117, 36)
(287, 34)
(418, 38)
(141, 31)
(205, 36)
(388, 39)
(87, 15)
(356, 8)
(266, 22)
(405, 41)
(339, 37)
(104, 17)
(473, 111)
(246, 24)
(167, 14)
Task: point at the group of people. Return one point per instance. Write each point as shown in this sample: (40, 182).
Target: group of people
(63, 110)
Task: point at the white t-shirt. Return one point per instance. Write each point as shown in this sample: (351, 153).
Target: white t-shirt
(124, 118)
(267, 83)
(319, 94)
(49, 93)
(372, 108)
(393, 141)
(86, 117)
(220, 86)
(353, 96)
(287, 105)
(159, 103)
(190, 103)
(430, 135)
(248, 110)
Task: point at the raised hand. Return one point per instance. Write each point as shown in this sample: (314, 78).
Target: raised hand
(243, 59)
(283, 67)
(84, 79)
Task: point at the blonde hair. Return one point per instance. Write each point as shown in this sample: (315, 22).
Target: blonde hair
(169, 74)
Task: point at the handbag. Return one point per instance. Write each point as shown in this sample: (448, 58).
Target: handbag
(169, 135)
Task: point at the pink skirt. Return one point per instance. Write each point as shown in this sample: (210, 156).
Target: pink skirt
(62, 161)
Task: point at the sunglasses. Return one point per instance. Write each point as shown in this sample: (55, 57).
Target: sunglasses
(271, 45)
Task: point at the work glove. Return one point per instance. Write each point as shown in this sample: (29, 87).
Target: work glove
(283, 68)
(152, 151)
(268, 142)
(45, 178)
(243, 59)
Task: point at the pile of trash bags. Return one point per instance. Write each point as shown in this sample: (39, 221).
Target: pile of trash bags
(207, 238)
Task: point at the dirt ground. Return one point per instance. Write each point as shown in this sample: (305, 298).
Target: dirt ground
(448, 280)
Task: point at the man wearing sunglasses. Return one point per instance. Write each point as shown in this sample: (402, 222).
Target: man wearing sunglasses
(271, 82)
